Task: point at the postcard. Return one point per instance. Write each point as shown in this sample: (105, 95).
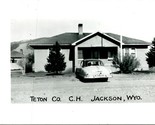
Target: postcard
(85, 57)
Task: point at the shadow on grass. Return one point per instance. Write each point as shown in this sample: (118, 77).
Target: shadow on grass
(117, 72)
(93, 80)
(53, 74)
(145, 71)
(36, 74)
(135, 72)
(42, 74)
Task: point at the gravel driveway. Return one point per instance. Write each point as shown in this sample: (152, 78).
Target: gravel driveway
(121, 88)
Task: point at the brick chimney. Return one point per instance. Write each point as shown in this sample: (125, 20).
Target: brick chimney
(80, 29)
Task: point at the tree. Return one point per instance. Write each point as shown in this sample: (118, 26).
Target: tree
(55, 60)
(151, 55)
(29, 62)
(128, 64)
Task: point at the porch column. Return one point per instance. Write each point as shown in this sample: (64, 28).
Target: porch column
(75, 57)
(118, 51)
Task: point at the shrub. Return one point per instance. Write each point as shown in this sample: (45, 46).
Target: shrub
(28, 62)
(128, 65)
(29, 67)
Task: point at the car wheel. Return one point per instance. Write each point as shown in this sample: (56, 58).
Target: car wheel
(76, 75)
(105, 79)
(81, 78)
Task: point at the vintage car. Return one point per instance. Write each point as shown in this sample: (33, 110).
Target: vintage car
(92, 69)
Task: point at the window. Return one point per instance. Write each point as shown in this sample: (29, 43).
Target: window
(130, 51)
(126, 51)
(86, 53)
(112, 52)
(133, 52)
(13, 60)
(80, 54)
(97, 52)
(103, 53)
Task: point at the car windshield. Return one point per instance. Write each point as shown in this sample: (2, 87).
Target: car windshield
(86, 63)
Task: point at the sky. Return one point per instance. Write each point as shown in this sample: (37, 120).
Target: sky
(32, 19)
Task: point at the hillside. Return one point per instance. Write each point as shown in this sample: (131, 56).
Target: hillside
(17, 46)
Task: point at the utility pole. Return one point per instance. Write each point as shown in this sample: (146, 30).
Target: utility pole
(121, 54)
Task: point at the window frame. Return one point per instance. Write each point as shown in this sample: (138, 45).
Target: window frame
(130, 51)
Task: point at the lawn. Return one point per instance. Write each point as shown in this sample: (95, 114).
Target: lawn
(42, 88)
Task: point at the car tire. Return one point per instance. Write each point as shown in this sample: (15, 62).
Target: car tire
(82, 79)
(105, 79)
(76, 75)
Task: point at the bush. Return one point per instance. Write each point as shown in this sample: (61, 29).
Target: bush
(28, 62)
(128, 65)
(29, 67)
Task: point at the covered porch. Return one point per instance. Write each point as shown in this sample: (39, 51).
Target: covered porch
(95, 46)
(106, 54)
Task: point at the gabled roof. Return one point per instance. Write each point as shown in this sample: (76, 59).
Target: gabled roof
(97, 34)
(15, 54)
(70, 38)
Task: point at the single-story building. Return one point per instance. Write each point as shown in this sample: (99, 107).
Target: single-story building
(15, 57)
(81, 45)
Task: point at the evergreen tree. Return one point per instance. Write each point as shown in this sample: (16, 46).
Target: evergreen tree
(151, 55)
(55, 60)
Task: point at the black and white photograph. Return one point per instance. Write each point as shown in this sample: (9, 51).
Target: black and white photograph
(106, 58)
(67, 60)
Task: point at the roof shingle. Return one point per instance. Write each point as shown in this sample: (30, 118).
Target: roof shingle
(127, 40)
(65, 38)
(69, 38)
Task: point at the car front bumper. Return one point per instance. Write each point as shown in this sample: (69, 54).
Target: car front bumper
(97, 76)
